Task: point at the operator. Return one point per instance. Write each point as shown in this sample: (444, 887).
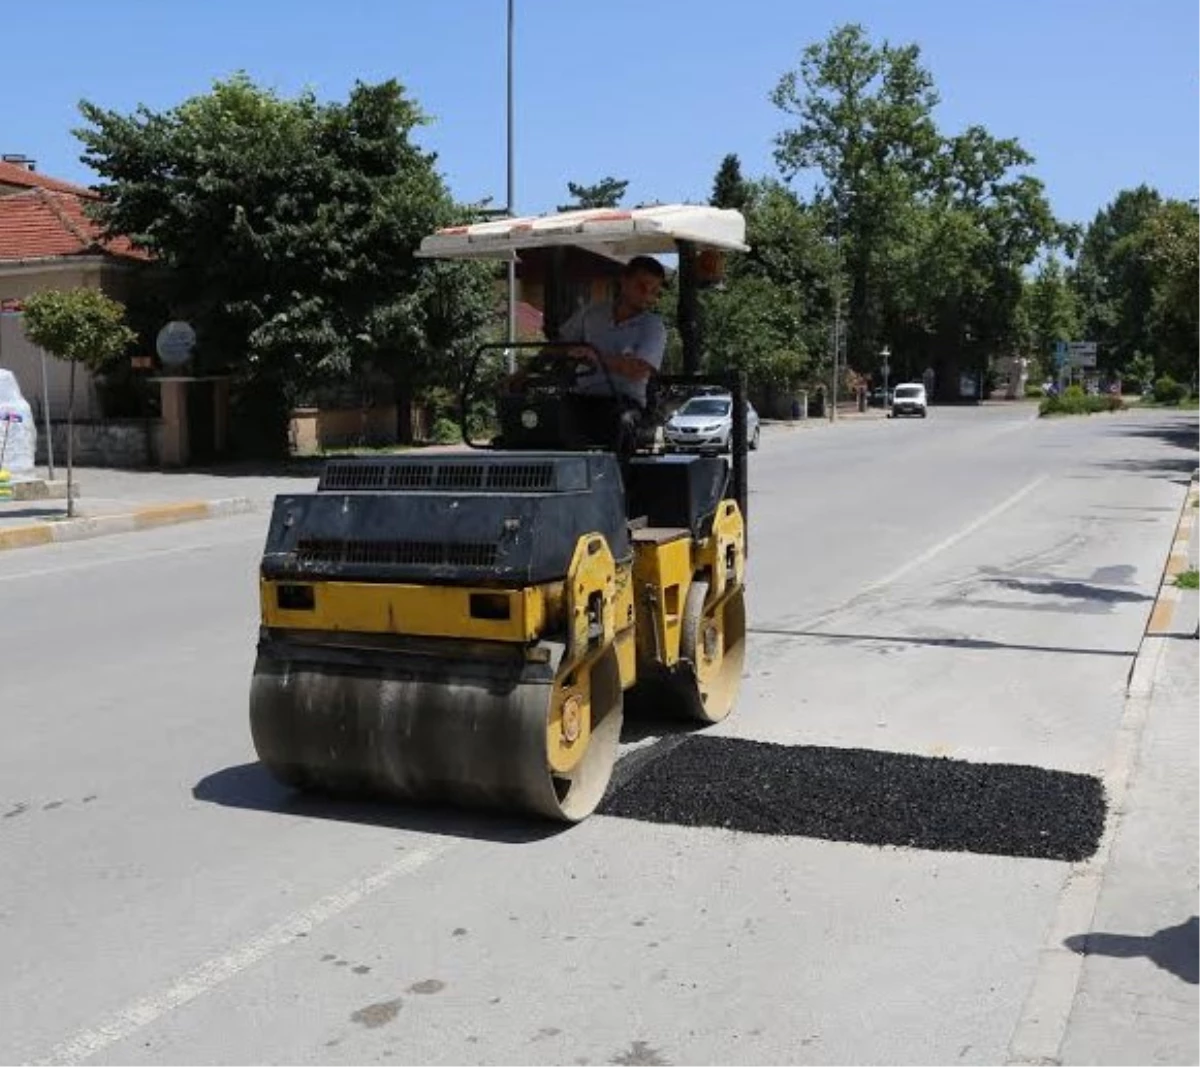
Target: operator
(629, 337)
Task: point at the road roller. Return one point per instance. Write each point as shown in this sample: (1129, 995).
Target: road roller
(471, 626)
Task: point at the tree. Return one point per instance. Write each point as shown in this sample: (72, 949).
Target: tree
(769, 317)
(80, 326)
(288, 229)
(863, 123)
(1048, 312)
(730, 189)
(607, 192)
(1114, 279)
(934, 232)
(1170, 246)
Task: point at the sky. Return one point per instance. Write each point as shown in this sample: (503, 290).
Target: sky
(1103, 93)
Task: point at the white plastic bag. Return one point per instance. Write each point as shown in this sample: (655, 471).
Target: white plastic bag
(18, 434)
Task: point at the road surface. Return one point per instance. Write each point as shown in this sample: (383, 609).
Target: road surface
(944, 615)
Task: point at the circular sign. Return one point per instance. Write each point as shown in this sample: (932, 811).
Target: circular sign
(175, 342)
(529, 418)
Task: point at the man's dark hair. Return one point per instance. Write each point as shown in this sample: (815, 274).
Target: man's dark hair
(644, 265)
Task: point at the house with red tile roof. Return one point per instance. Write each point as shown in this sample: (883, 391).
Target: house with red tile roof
(47, 241)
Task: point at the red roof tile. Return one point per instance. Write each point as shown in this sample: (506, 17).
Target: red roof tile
(40, 223)
(24, 178)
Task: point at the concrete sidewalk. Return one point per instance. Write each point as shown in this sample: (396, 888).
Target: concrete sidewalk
(109, 501)
(1135, 942)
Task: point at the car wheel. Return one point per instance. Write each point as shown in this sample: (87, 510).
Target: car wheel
(754, 439)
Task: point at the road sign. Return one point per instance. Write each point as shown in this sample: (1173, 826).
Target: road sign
(1082, 353)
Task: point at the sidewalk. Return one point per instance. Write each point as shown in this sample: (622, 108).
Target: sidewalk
(118, 501)
(1136, 1000)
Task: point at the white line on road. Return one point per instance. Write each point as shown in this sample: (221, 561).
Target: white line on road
(211, 974)
(954, 539)
(920, 561)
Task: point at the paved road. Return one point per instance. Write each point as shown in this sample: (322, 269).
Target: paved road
(974, 586)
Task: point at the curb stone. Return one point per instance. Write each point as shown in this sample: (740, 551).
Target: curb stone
(1169, 594)
(143, 518)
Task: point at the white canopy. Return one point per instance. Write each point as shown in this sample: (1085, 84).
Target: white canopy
(617, 231)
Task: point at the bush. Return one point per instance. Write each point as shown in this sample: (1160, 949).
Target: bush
(446, 431)
(1074, 401)
(1168, 391)
(1034, 392)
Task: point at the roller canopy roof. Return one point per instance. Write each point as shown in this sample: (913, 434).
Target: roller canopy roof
(617, 231)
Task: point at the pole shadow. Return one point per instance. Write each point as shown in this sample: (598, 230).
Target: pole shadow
(1174, 948)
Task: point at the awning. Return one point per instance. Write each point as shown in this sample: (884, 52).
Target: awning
(617, 231)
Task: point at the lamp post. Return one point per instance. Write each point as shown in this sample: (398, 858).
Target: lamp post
(512, 265)
(885, 355)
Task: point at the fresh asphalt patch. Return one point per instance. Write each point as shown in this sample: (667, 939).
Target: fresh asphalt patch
(868, 797)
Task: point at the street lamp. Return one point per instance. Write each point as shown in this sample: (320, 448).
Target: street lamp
(512, 266)
(885, 355)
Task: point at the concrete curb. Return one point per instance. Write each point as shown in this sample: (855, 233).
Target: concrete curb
(144, 518)
(1162, 615)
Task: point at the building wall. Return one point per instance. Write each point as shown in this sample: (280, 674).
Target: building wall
(24, 359)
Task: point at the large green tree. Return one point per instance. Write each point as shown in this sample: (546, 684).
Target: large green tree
(770, 316)
(1114, 278)
(933, 232)
(287, 229)
(1171, 246)
(862, 126)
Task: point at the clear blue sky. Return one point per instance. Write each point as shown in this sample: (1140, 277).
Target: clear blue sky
(1102, 92)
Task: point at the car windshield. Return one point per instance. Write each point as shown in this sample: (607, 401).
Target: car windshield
(705, 406)
(907, 392)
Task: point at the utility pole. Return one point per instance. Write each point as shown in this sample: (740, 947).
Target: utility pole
(837, 305)
(511, 198)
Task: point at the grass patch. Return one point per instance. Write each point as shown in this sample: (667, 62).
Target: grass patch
(1188, 579)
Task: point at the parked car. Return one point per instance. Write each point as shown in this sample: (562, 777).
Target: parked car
(909, 399)
(877, 399)
(705, 424)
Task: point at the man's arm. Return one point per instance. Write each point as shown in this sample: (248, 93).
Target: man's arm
(638, 363)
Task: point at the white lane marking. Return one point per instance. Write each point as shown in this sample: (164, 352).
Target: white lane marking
(922, 559)
(137, 557)
(953, 539)
(211, 974)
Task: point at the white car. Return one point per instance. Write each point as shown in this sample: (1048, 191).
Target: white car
(705, 423)
(909, 399)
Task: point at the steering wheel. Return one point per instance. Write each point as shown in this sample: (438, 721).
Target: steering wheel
(559, 369)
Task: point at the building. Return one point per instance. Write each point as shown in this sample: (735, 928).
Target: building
(47, 241)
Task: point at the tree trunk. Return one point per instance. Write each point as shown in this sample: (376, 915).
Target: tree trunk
(71, 444)
(402, 394)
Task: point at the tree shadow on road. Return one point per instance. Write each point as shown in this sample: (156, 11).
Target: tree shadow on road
(250, 786)
(1173, 948)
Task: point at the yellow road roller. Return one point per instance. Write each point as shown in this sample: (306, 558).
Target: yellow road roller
(470, 626)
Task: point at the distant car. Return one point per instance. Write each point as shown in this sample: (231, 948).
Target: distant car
(877, 399)
(705, 424)
(909, 399)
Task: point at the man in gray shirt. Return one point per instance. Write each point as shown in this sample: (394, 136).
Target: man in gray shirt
(629, 337)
